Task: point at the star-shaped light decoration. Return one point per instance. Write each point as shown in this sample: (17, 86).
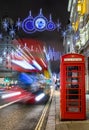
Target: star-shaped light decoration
(70, 27)
(64, 33)
(58, 25)
(18, 23)
(76, 37)
(12, 32)
(5, 24)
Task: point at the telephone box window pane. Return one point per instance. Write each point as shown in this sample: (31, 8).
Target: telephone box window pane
(75, 103)
(72, 96)
(73, 109)
(72, 68)
(74, 91)
(74, 86)
(69, 85)
(68, 79)
(69, 73)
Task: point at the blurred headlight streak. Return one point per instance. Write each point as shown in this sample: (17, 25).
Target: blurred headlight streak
(4, 96)
(39, 97)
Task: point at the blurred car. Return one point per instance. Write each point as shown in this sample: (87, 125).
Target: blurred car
(40, 91)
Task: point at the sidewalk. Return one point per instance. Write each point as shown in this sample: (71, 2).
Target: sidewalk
(54, 122)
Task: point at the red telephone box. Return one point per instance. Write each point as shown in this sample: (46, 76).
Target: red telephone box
(72, 87)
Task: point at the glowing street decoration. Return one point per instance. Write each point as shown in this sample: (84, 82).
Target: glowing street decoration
(5, 24)
(40, 22)
(31, 25)
(53, 55)
(28, 24)
(12, 32)
(50, 25)
(18, 23)
(64, 33)
(58, 25)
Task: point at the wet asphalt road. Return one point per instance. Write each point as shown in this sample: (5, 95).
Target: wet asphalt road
(20, 116)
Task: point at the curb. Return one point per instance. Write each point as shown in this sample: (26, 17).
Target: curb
(43, 119)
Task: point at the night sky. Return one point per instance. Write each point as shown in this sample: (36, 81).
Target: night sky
(20, 8)
(57, 8)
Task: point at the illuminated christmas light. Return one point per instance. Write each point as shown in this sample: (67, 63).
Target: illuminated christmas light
(40, 22)
(1, 36)
(18, 23)
(12, 32)
(64, 33)
(50, 25)
(58, 25)
(5, 24)
(31, 25)
(28, 24)
(70, 27)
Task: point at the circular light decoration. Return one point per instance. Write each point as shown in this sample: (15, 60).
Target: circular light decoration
(28, 24)
(40, 22)
(50, 25)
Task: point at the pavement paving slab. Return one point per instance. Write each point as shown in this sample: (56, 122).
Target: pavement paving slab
(54, 122)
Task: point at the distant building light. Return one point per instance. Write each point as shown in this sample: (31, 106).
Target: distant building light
(0, 59)
(68, 42)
